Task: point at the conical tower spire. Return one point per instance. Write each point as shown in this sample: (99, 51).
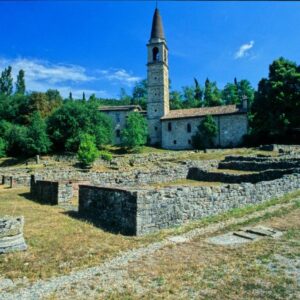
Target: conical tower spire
(157, 31)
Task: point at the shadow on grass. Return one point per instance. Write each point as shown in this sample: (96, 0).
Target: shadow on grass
(10, 162)
(109, 227)
(28, 196)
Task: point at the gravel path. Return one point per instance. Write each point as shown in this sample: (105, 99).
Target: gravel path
(112, 275)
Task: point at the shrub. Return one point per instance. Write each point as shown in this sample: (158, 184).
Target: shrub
(106, 155)
(88, 151)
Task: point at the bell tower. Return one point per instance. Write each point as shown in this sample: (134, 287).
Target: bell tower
(158, 79)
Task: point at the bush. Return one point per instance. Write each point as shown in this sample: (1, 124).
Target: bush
(207, 131)
(106, 155)
(88, 151)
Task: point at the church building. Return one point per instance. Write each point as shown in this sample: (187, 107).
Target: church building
(173, 129)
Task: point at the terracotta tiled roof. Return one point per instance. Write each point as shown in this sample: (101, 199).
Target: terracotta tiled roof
(202, 111)
(120, 108)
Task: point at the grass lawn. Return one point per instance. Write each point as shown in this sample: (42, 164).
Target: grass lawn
(59, 243)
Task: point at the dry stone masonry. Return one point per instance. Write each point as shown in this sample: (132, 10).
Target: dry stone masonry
(153, 209)
(11, 234)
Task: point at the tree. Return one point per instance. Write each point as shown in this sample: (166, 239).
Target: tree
(140, 94)
(245, 89)
(230, 94)
(3, 146)
(189, 100)
(87, 152)
(83, 97)
(207, 131)
(135, 132)
(74, 118)
(45, 103)
(175, 100)
(37, 139)
(20, 85)
(276, 106)
(125, 99)
(212, 95)
(16, 139)
(6, 82)
(198, 91)
(70, 96)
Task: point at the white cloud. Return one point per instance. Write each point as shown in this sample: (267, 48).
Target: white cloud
(120, 76)
(37, 70)
(41, 75)
(243, 50)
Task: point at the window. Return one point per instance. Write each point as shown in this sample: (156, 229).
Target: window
(189, 127)
(174, 142)
(189, 142)
(155, 128)
(169, 126)
(155, 53)
(118, 117)
(118, 133)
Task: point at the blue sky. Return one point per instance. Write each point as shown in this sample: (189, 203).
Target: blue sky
(99, 47)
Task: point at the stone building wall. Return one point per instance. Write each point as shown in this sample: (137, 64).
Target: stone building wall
(231, 129)
(155, 209)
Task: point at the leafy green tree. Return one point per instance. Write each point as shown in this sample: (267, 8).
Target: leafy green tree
(20, 85)
(37, 139)
(230, 94)
(207, 131)
(189, 100)
(212, 95)
(175, 100)
(6, 82)
(44, 103)
(87, 152)
(16, 139)
(83, 97)
(3, 147)
(74, 118)
(276, 106)
(70, 96)
(245, 89)
(135, 132)
(140, 94)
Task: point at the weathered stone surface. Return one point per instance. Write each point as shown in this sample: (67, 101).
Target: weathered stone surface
(210, 176)
(11, 234)
(152, 209)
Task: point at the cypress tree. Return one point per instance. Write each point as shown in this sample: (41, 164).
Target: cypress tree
(20, 85)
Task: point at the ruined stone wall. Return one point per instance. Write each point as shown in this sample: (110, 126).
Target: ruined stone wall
(165, 208)
(113, 209)
(202, 175)
(152, 209)
(51, 192)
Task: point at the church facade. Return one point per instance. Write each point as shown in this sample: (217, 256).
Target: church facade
(173, 129)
